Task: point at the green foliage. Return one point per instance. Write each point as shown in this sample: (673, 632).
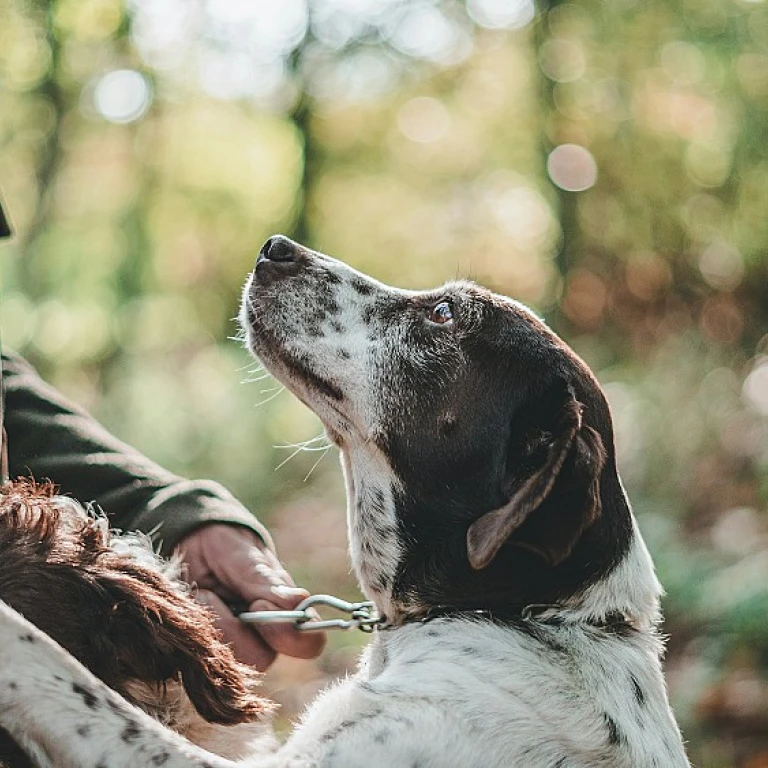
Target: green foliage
(604, 162)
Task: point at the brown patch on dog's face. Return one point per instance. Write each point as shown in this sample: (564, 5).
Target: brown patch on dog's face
(123, 620)
(519, 502)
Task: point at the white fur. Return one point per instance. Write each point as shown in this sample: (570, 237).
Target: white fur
(450, 693)
(630, 588)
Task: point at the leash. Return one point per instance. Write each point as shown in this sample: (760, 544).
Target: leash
(362, 616)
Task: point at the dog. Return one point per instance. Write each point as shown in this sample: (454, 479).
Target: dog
(487, 521)
(124, 613)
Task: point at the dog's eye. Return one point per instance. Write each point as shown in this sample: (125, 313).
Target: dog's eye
(441, 313)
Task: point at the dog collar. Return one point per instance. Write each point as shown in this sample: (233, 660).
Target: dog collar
(552, 615)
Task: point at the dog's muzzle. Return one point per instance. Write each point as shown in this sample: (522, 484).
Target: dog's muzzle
(279, 258)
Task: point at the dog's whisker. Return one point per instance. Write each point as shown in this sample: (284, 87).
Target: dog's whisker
(304, 443)
(270, 398)
(288, 458)
(312, 468)
(304, 449)
(254, 379)
(300, 449)
(251, 368)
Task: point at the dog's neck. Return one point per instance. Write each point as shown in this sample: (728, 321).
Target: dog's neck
(629, 589)
(627, 596)
(374, 540)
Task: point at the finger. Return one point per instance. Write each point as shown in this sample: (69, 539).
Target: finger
(285, 597)
(255, 573)
(283, 638)
(247, 646)
(212, 584)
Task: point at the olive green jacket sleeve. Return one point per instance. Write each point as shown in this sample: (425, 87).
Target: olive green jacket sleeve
(49, 438)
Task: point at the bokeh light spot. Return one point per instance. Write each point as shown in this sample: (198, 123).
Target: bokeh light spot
(122, 96)
(683, 62)
(276, 28)
(721, 265)
(425, 32)
(501, 14)
(756, 386)
(721, 320)
(752, 72)
(647, 276)
(737, 531)
(707, 164)
(562, 60)
(585, 298)
(572, 168)
(524, 215)
(423, 120)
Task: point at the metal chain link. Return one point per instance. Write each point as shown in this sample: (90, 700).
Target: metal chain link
(362, 615)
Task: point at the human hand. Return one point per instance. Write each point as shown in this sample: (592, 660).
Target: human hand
(230, 564)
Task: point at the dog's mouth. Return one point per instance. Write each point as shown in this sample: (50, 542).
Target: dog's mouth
(294, 370)
(299, 368)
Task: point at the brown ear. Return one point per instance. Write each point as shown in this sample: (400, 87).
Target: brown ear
(123, 620)
(164, 635)
(564, 494)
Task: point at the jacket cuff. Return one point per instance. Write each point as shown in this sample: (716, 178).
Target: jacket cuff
(182, 507)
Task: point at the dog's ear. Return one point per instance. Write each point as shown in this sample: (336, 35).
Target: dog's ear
(552, 503)
(125, 621)
(158, 635)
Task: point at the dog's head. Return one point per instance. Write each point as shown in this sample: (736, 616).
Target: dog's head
(477, 447)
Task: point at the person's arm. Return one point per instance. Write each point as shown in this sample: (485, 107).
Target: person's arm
(228, 553)
(50, 438)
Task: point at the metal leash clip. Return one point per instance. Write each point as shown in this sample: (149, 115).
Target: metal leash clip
(362, 616)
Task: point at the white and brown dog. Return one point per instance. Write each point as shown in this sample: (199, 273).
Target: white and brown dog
(486, 520)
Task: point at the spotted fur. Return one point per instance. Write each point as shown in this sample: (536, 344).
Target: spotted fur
(486, 520)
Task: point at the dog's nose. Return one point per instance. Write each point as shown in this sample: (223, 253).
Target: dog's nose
(278, 248)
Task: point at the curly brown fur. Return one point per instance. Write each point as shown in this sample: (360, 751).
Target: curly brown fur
(115, 611)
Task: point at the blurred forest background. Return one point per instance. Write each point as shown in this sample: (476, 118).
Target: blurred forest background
(603, 162)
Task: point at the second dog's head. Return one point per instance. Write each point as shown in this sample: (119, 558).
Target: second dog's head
(477, 447)
(116, 607)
